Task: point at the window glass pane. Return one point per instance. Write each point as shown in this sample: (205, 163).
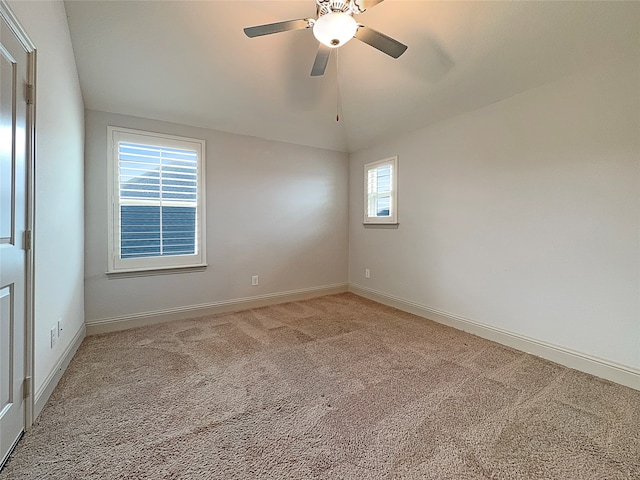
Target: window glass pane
(383, 206)
(379, 188)
(178, 230)
(139, 231)
(148, 231)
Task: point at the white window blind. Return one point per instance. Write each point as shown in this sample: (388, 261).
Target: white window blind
(380, 191)
(157, 202)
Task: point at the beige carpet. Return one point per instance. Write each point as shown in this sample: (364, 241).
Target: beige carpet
(331, 388)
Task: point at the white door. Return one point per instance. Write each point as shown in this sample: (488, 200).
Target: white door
(13, 239)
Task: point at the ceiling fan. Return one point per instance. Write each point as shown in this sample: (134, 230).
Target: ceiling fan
(334, 27)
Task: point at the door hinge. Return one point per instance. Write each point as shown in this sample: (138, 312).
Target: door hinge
(30, 93)
(27, 240)
(27, 387)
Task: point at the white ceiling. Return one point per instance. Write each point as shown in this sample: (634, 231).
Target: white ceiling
(190, 62)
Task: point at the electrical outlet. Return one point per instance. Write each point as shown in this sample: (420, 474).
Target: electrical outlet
(54, 336)
(254, 280)
(367, 273)
(59, 327)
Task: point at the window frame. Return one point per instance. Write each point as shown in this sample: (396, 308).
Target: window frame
(392, 218)
(116, 264)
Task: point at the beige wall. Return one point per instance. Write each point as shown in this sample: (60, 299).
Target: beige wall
(273, 209)
(59, 225)
(521, 216)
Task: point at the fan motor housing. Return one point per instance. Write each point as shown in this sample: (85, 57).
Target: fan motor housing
(328, 6)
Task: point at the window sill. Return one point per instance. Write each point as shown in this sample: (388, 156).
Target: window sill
(389, 226)
(147, 272)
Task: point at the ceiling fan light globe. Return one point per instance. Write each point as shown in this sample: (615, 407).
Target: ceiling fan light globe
(335, 29)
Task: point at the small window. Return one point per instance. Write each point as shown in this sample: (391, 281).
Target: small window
(156, 216)
(380, 191)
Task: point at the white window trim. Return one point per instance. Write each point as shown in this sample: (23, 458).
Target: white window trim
(393, 210)
(150, 264)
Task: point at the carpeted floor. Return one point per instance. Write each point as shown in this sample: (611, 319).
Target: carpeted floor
(336, 387)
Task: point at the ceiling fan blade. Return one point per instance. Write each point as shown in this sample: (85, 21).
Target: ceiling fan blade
(366, 4)
(322, 58)
(380, 41)
(277, 27)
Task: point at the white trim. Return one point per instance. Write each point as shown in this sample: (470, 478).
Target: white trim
(116, 264)
(16, 27)
(615, 372)
(50, 383)
(155, 271)
(125, 322)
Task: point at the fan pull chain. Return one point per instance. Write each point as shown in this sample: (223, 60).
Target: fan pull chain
(338, 99)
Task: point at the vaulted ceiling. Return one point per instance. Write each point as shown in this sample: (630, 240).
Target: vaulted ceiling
(190, 62)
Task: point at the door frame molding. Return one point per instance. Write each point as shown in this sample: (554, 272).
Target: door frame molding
(14, 25)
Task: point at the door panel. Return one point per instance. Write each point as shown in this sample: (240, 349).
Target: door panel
(13, 220)
(6, 349)
(7, 94)
(12, 424)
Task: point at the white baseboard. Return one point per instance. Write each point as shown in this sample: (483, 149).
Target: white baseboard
(125, 322)
(49, 384)
(615, 372)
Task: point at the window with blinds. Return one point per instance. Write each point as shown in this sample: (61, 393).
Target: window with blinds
(380, 191)
(158, 201)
